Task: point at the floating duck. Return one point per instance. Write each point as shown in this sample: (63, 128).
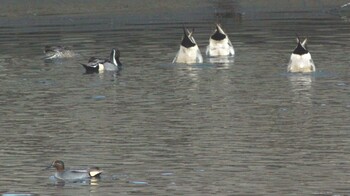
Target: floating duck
(96, 65)
(74, 175)
(58, 52)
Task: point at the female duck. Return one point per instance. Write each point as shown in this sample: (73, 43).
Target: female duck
(219, 44)
(58, 52)
(300, 60)
(74, 175)
(189, 52)
(96, 65)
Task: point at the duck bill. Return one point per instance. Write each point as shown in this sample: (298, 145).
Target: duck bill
(48, 167)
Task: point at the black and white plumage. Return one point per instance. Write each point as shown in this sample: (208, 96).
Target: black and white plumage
(96, 65)
(300, 60)
(189, 52)
(219, 44)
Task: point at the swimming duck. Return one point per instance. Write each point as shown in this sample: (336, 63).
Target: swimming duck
(58, 52)
(219, 44)
(74, 175)
(189, 52)
(300, 60)
(96, 65)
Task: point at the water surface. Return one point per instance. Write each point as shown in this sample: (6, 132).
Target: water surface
(245, 127)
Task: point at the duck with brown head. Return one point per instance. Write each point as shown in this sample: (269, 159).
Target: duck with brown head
(58, 52)
(74, 175)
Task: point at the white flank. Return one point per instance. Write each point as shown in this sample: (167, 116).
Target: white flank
(188, 55)
(301, 63)
(220, 48)
(101, 67)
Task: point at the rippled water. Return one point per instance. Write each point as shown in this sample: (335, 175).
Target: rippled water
(245, 127)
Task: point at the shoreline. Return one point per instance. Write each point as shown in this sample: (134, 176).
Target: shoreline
(24, 8)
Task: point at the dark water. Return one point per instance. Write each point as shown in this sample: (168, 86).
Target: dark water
(245, 127)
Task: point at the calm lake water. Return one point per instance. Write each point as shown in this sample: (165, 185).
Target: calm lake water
(244, 127)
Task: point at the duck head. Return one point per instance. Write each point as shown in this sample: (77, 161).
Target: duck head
(58, 164)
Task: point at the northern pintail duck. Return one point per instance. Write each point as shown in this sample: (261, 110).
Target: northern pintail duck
(189, 52)
(219, 44)
(300, 60)
(74, 175)
(58, 52)
(96, 65)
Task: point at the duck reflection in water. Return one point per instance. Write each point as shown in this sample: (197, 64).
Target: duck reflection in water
(301, 86)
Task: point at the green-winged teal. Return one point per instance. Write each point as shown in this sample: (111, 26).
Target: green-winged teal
(74, 175)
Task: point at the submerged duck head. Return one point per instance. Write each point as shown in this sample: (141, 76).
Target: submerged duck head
(219, 44)
(301, 47)
(189, 52)
(187, 39)
(300, 60)
(219, 34)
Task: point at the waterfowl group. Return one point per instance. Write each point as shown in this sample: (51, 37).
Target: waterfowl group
(188, 53)
(221, 46)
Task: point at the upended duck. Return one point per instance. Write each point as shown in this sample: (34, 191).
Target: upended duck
(189, 52)
(96, 65)
(74, 175)
(219, 44)
(300, 60)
